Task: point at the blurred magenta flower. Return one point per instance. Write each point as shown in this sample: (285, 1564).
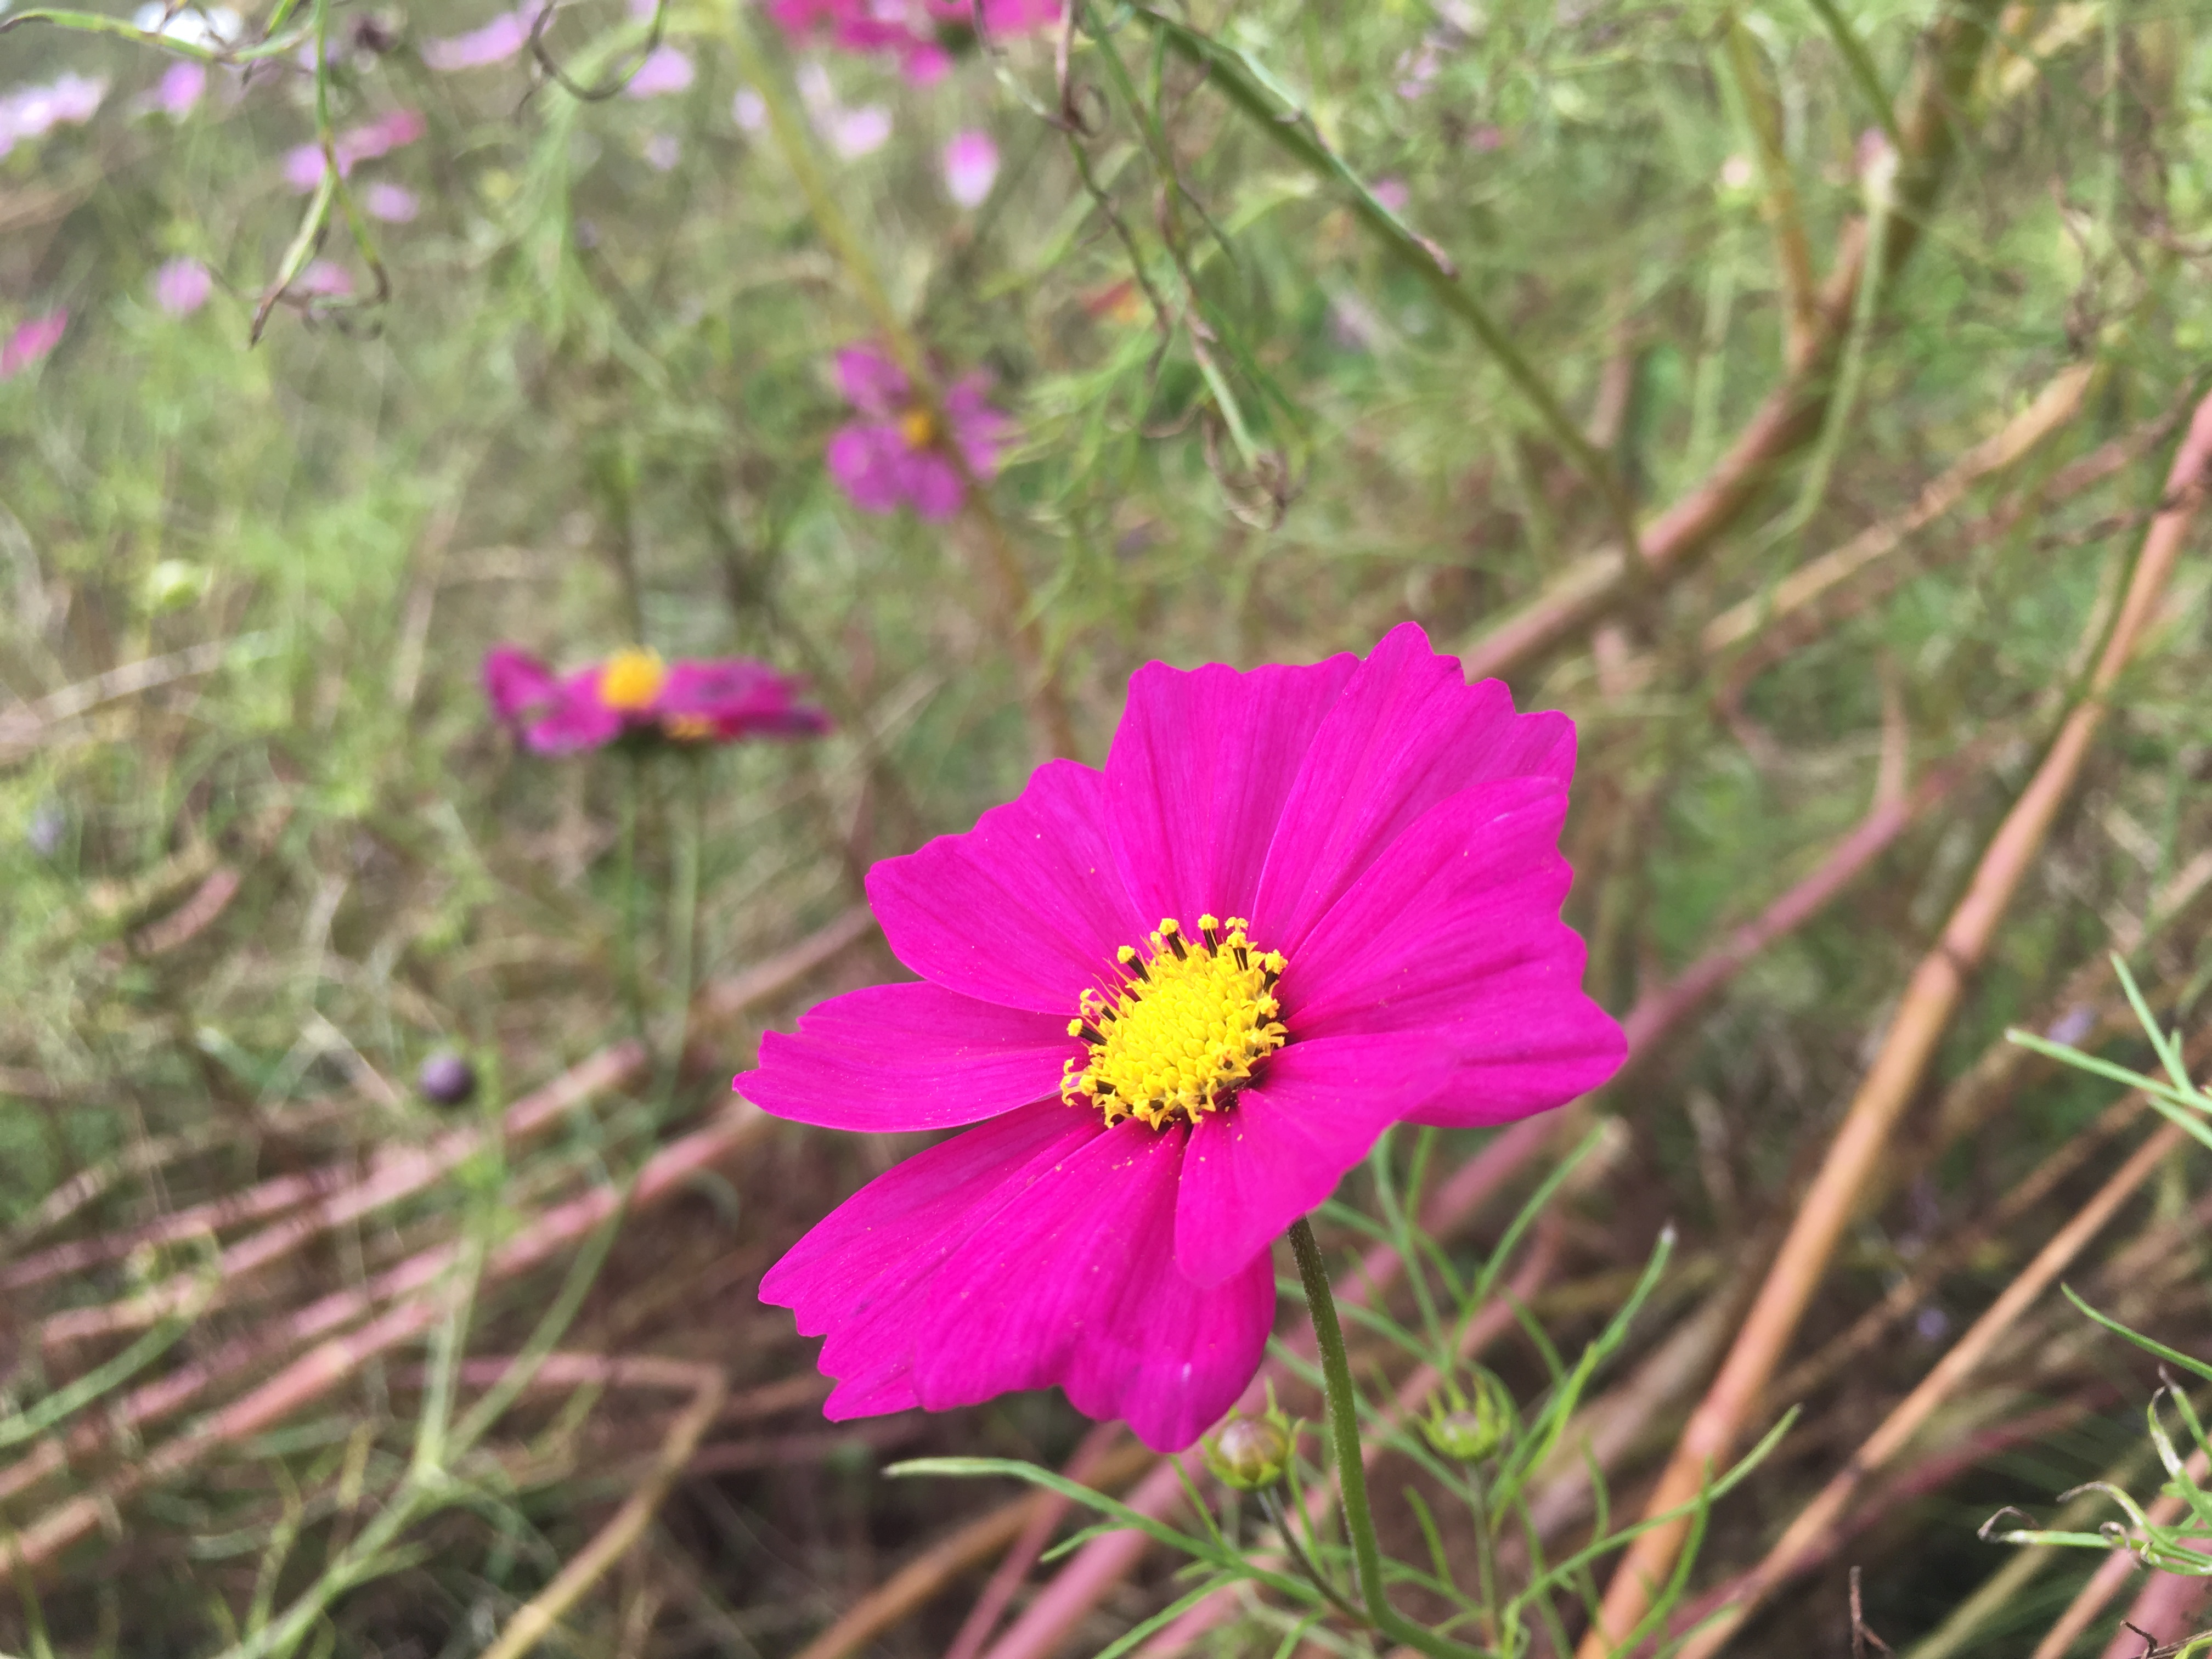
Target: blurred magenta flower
(971, 168)
(180, 89)
(634, 694)
(1355, 871)
(182, 285)
(663, 150)
(664, 71)
(395, 205)
(893, 453)
(495, 43)
(303, 163)
(33, 111)
(325, 279)
(922, 34)
(852, 133)
(31, 341)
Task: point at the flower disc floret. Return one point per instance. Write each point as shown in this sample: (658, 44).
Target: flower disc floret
(631, 680)
(1184, 1029)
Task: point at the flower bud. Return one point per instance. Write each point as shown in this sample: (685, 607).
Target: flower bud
(1472, 1432)
(1249, 1453)
(446, 1079)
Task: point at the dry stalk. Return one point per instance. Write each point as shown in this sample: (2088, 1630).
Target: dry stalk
(1791, 417)
(1931, 997)
(537, 1618)
(1801, 1546)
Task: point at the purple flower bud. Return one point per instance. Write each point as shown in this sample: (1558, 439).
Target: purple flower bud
(447, 1079)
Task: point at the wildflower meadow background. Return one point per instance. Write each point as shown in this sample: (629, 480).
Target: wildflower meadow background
(506, 517)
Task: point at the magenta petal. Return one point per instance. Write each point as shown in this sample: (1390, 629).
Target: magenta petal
(1279, 1150)
(1068, 1284)
(861, 1276)
(932, 484)
(515, 681)
(872, 382)
(909, 1056)
(1452, 943)
(866, 459)
(1408, 732)
(1201, 767)
(1026, 909)
(574, 719)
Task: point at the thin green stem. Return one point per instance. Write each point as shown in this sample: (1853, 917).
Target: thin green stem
(633, 990)
(1351, 1470)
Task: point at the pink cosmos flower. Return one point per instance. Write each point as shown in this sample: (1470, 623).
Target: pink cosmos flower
(323, 279)
(664, 71)
(33, 111)
(395, 205)
(182, 285)
(495, 43)
(971, 168)
(920, 33)
(31, 341)
(303, 164)
(1178, 999)
(634, 694)
(180, 88)
(893, 454)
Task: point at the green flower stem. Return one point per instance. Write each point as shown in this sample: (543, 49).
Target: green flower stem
(633, 989)
(1351, 1470)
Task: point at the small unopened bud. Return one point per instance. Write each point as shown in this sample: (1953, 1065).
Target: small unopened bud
(1472, 1431)
(1249, 1453)
(446, 1079)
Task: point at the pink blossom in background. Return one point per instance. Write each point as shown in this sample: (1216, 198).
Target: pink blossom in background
(323, 279)
(495, 43)
(852, 133)
(180, 89)
(893, 454)
(663, 151)
(913, 32)
(31, 113)
(633, 694)
(749, 110)
(304, 167)
(182, 285)
(395, 205)
(1177, 999)
(389, 132)
(31, 341)
(971, 168)
(1392, 194)
(664, 71)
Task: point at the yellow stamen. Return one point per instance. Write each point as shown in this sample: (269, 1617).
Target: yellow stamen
(631, 680)
(1183, 1032)
(918, 427)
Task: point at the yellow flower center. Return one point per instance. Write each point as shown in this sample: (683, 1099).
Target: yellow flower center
(1183, 1031)
(632, 680)
(918, 427)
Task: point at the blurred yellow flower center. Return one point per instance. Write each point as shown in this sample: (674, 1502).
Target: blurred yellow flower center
(632, 680)
(918, 427)
(1184, 1029)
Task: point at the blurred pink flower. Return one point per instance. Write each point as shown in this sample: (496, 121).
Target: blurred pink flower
(495, 43)
(323, 279)
(395, 205)
(663, 151)
(749, 110)
(1392, 194)
(33, 111)
(303, 164)
(182, 285)
(634, 694)
(180, 88)
(852, 133)
(918, 33)
(971, 168)
(664, 71)
(895, 453)
(31, 341)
